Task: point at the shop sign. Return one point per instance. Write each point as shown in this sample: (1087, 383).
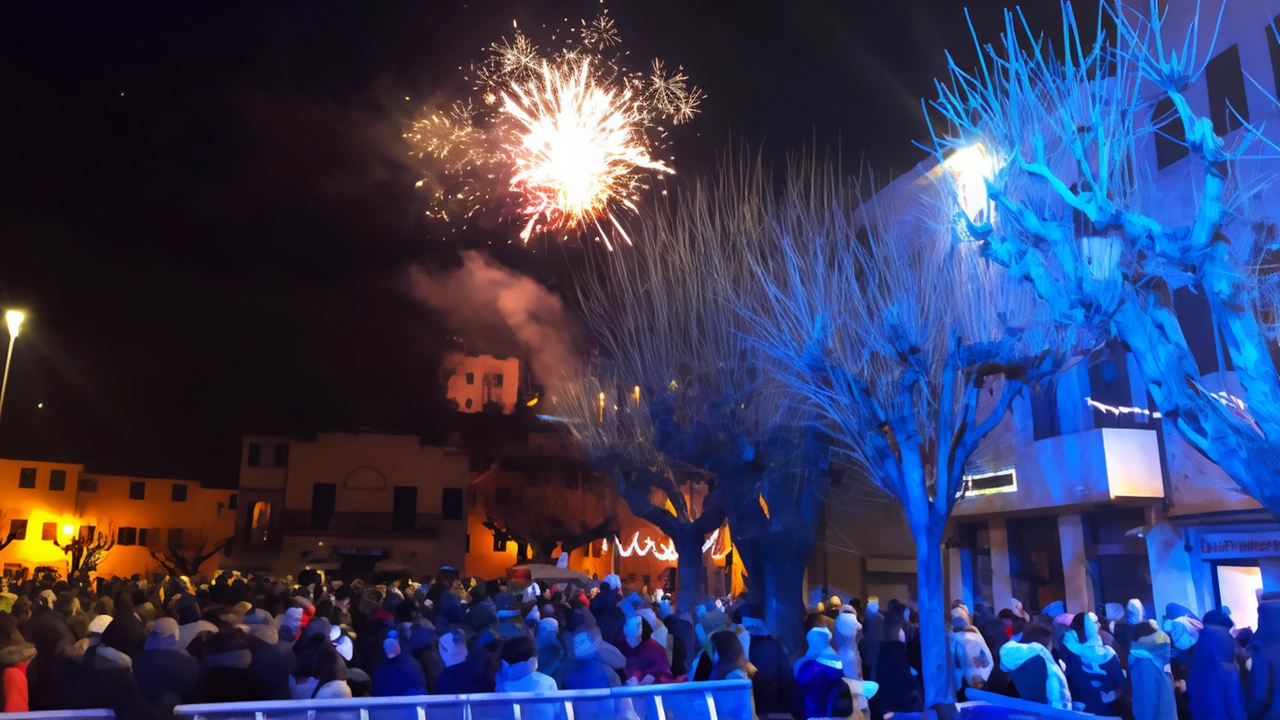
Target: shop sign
(1216, 546)
(361, 551)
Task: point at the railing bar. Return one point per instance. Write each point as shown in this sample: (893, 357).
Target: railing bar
(711, 706)
(568, 709)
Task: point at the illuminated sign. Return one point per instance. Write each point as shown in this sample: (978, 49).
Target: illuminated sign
(1239, 545)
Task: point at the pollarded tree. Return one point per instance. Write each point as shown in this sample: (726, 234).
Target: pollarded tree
(185, 552)
(1076, 212)
(552, 501)
(693, 388)
(891, 334)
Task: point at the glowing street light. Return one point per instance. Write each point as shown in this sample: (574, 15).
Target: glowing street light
(14, 318)
(972, 167)
(68, 530)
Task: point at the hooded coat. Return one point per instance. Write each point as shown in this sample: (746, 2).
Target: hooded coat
(1035, 674)
(15, 656)
(47, 630)
(1122, 631)
(1264, 677)
(166, 675)
(107, 682)
(970, 658)
(1093, 671)
(473, 675)
(1213, 678)
(820, 680)
(1151, 680)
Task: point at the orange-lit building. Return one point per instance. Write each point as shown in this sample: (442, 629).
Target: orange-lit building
(44, 504)
(477, 382)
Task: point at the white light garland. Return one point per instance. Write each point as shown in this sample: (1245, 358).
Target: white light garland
(664, 552)
(1121, 410)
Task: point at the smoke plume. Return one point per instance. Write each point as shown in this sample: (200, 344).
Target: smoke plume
(498, 310)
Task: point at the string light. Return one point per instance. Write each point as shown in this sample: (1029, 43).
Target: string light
(1121, 410)
(664, 552)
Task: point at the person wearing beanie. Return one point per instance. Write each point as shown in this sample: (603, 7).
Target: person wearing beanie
(872, 637)
(820, 679)
(273, 661)
(971, 659)
(476, 673)
(646, 660)
(1093, 670)
(106, 679)
(166, 675)
(1149, 675)
(550, 650)
(900, 689)
(401, 675)
(772, 684)
(1122, 633)
(519, 673)
(1264, 674)
(16, 655)
(1214, 688)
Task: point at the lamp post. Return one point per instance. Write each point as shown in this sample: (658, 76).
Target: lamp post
(14, 318)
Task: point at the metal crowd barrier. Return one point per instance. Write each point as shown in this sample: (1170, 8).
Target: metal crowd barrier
(99, 714)
(716, 700)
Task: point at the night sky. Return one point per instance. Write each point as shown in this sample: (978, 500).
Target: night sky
(207, 208)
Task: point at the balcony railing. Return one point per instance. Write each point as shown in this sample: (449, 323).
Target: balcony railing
(370, 524)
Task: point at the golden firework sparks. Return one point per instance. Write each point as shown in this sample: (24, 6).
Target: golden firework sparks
(578, 151)
(564, 142)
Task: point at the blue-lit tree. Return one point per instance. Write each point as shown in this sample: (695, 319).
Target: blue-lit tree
(891, 335)
(1075, 211)
(689, 387)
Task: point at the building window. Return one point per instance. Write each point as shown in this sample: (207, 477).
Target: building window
(27, 478)
(497, 380)
(1171, 137)
(49, 531)
(127, 536)
(175, 537)
(404, 508)
(471, 378)
(137, 490)
(468, 403)
(87, 532)
(282, 455)
(144, 537)
(1226, 91)
(57, 480)
(502, 496)
(324, 499)
(234, 502)
(451, 504)
(255, 454)
(18, 530)
(179, 492)
(468, 543)
(499, 542)
(88, 485)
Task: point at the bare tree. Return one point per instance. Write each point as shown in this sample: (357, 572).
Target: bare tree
(185, 553)
(687, 387)
(87, 550)
(13, 532)
(541, 510)
(1076, 215)
(891, 335)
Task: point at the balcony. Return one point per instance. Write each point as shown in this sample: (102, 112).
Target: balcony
(1084, 468)
(362, 524)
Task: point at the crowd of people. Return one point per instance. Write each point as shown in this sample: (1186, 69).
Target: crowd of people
(142, 647)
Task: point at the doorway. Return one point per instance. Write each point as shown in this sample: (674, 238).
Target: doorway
(1035, 562)
(404, 508)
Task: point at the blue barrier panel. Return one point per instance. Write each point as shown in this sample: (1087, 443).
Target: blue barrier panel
(101, 714)
(721, 700)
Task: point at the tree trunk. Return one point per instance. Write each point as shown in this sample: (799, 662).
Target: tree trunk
(691, 574)
(785, 558)
(932, 614)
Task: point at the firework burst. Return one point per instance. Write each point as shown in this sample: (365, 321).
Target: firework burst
(563, 142)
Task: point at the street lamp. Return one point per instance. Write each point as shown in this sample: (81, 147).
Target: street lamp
(14, 318)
